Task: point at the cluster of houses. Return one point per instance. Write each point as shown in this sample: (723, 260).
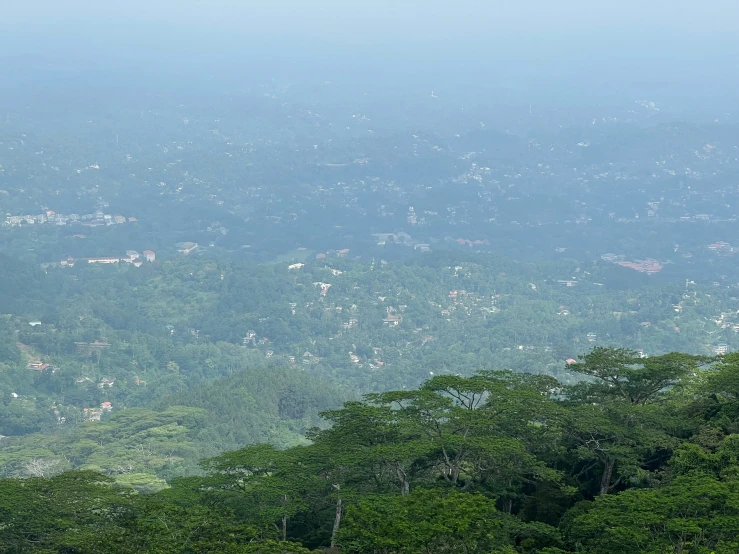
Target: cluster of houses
(648, 266)
(132, 257)
(343, 253)
(38, 365)
(465, 303)
(393, 318)
(721, 349)
(299, 265)
(374, 363)
(94, 414)
(351, 324)
(51, 217)
(477, 242)
(251, 338)
(103, 383)
(309, 358)
(722, 247)
(324, 287)
(725, 320)
(400, 238)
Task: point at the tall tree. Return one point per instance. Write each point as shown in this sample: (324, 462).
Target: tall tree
(618, 373)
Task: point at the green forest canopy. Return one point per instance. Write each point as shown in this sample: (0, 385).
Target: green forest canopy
(641, 455)
(207, 355)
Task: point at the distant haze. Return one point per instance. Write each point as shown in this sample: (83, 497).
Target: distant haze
(676, 47)
(412, 18)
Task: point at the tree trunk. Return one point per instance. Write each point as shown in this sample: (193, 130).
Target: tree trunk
(605, 481)
(455, 473)
(337, 522)
(284, 528)
(405, 486)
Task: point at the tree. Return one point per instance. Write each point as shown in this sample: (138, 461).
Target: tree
(617, 421)
(693, 514)
(369, 439)
(715, 395)
(41, 467)
(62, 511)
(428, 521)
(623, 374)
(615, 439)
(265, 485)
(476, 430)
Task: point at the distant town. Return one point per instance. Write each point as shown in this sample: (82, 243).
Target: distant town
(132, 257)
(50, 217)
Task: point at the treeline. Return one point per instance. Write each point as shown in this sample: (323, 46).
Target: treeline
(641, 456)
(510, 315)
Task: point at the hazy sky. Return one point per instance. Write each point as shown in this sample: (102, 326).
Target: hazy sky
(419, 18)
(606, 42)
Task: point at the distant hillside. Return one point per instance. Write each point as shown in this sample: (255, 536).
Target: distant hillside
(273, 404)
(26, 289)
(143, 446)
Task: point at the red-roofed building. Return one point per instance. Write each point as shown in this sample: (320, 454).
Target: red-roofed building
(648, 266)
(149, 255)
(571, 361)
(320, 256)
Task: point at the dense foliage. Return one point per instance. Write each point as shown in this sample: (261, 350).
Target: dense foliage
(641, 455)
(186, 358)
(315, 373)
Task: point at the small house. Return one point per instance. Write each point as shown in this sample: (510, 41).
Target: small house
(721, 349)
(392, 320)
(186, 247)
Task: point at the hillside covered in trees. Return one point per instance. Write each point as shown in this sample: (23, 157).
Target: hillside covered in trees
(640, 455)
(139, 373)
(368, 278)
